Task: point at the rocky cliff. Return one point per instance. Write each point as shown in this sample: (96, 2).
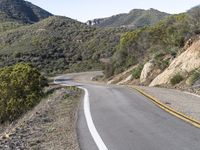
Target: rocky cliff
(185, 63)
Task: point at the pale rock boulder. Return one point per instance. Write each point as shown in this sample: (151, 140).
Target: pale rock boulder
(126, 80)
(183, 64)
(122, 76)
(147, 69)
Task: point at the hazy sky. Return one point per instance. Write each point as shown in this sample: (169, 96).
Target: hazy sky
(84, 10)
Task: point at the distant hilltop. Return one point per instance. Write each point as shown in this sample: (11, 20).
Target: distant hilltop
(21, 11)
(134, 19)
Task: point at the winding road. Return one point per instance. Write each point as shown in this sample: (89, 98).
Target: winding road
(118, 118)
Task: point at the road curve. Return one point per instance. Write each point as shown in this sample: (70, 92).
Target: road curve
(126, 120)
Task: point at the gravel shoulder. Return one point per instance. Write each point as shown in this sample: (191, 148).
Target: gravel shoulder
(51, 125)
(186, 103)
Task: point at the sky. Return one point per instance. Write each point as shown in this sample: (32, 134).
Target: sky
(84, 10)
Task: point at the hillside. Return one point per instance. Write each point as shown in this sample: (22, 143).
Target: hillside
(165, 54)
(152, 43)
(58, 43)
(21, 11)
(186, 63)
(134, 19)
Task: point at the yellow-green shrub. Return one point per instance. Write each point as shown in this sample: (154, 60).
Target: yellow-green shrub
(137, 72)
(176, 79)
(21, 87)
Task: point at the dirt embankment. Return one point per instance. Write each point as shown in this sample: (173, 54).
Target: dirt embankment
(183, 64)
(50, 125)
(183, 72)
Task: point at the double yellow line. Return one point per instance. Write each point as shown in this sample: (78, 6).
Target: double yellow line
(169, 109)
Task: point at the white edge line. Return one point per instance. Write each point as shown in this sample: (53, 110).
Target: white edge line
(93, 131)
(98, 140)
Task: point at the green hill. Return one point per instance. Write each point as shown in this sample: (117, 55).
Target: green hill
(21, 11)
(58, 43)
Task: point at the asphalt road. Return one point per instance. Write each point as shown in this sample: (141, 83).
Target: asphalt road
(126, 120)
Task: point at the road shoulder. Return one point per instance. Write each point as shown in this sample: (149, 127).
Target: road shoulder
(50, 125)
(181, 104)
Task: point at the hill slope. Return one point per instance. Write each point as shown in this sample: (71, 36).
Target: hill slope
(58, 44)
(134, 19)
(22, 11)
(185, 63)
(165, 54)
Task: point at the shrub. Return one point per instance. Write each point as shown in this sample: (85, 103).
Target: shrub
(21, 87)
(194, 77)
(176, 79)
(159, 60)
(108, 70)
(194, 15)
(137, 72)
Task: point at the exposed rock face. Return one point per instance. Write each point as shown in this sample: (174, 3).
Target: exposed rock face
(94, 22)
(183, 64)
(122, 77)
(148, 67)
(126, 80)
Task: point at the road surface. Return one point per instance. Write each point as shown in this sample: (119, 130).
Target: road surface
(126, 120)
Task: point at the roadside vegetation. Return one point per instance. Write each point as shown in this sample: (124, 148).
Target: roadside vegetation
(165, 38)
(195, 75)
(50, 125)
(176, 79)
(159, 43)
(21, 88)
(137, 72)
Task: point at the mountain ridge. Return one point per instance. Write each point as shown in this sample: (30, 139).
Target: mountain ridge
(22, 11)
(134, 19)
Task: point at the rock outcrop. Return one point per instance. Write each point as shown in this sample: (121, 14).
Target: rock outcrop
(126, 80)
(183, 64)
(94, 22)
(147, 69)
(122, 77)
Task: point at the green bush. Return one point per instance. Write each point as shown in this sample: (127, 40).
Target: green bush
(159, 60)
(176, 79)
(21, 88)
(108, 70)
(137, 72)
(194, 77)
